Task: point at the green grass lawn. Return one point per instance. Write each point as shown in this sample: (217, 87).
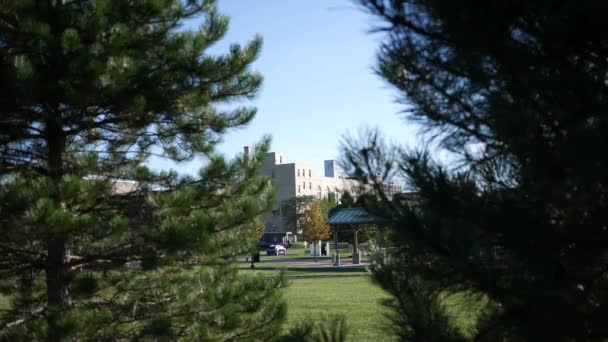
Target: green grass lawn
(344, 291)
(334, 291)
(316, 294)
(357, 299)
(350, 292)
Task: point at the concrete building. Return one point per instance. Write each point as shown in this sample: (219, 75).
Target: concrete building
(297, 179)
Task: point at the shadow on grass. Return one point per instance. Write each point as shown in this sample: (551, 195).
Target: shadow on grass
(328, 269)
(360, 270)
(263, 268)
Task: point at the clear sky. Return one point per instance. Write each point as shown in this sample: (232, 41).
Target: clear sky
(317, 62)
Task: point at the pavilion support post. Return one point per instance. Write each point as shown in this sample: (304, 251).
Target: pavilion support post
(336, 250)
(356, 254)
(380, 241)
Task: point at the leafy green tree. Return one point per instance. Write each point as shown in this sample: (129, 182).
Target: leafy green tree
(293, 211)
(314, 228)
(516, 91)
(328, 202)
(346, 201)
(89, 90)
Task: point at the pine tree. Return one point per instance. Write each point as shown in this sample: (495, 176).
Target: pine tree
(516, 91)
(314, 228)
(89, 90)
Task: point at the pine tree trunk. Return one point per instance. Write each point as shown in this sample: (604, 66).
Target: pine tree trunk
(58, 296)
(26, 288)
(57, 280)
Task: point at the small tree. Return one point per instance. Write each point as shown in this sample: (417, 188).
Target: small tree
(256, 234)
(314, 227)
(294, 211)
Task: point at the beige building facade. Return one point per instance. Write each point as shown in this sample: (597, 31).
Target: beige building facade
(297, 179)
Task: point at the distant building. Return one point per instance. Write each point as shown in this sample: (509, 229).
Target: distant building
(122, 187)
(295, 179)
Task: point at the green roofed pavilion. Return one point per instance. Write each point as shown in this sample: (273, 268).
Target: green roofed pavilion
(353, 216)
(349, 219)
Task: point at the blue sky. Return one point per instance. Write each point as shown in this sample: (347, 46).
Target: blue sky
(319, 84)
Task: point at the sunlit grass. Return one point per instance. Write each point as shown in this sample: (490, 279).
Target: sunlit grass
(5, 302)
(357, 299)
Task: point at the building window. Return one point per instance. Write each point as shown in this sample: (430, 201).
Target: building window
(309, 173)
(280, 159)
(298, 172)
(304, 185)
(298, 189)
(310, 185)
